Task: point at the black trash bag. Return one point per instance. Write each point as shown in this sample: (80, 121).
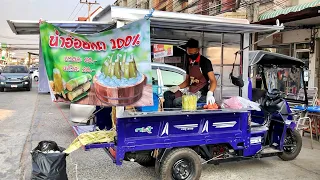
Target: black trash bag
(49, 165)
(47, 146)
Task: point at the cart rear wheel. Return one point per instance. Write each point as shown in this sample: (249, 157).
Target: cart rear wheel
(181, 164)
(292, 145)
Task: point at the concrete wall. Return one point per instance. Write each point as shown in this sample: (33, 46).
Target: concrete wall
(290, 37)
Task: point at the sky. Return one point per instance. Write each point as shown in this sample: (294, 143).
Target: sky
(53, 10)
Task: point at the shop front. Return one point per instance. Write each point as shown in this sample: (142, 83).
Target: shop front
(295, 43)
(300, 37)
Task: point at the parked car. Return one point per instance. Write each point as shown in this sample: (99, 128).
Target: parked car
(35, 75)
(13, 77)
(171, 76)
(32, 69)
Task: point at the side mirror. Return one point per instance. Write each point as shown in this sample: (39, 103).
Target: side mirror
(31, 72)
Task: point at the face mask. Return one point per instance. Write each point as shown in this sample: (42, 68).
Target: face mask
(193, 56)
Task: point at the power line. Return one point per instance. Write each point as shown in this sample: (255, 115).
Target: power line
(89, 6)
(78, 11)
(74, 10)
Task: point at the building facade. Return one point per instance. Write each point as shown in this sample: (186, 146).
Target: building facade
(300, 38)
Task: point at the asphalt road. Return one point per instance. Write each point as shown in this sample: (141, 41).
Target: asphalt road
(27, 118)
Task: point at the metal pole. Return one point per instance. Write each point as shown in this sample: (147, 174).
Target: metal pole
(221, 65)
(202, 43)
(29, 56)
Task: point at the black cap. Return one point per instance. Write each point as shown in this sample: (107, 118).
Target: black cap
(192, 43)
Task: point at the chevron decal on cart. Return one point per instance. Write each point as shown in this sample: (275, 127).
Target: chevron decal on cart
(186, 127)
(165, 129)
(205, 127)
(224, 124)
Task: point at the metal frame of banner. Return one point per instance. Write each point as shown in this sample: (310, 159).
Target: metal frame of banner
(148, 16)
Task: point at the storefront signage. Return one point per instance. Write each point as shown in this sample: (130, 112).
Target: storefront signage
(162, 50)
(172, 59)
(158, 60)
(111, 68)
(168, 60)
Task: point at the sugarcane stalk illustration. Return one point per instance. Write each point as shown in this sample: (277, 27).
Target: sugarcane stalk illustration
(126, 70)
(105, 66)
(132, 68)
(78, 91)
(57, 79)
(123, 62)
(74, 83)
(117, 68)
(111, 70)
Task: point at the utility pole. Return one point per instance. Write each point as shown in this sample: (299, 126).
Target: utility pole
(89, 6)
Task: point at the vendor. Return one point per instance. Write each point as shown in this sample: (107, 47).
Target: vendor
(199, 77)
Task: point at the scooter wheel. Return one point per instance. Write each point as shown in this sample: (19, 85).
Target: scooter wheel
(292, 146)
(181, 164)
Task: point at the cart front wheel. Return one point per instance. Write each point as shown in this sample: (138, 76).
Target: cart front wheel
(292, 145)
(181, 164)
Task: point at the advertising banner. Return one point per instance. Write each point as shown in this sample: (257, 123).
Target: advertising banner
(162, 50)
(110, 68)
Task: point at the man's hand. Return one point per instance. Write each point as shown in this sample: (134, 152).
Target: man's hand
(210, 98)
(174, 89)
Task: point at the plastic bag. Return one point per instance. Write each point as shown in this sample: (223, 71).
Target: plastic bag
(90, 138)
(238, 102)
(48, 162)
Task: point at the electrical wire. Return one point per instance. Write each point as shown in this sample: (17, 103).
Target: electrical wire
(74, 10)
(78, 11)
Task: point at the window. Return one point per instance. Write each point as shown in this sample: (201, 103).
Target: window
(154, 77)
(171, 78)
(15, 69)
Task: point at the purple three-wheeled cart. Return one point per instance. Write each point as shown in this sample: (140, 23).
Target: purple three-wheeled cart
(177, 143)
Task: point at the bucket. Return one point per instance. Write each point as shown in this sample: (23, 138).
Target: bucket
(120, 96)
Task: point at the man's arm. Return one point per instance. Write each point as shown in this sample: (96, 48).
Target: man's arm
(213, 81)
(212, 77)
(185, 83)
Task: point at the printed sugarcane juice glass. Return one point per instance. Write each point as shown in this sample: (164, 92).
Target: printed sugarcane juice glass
(189, 102)
(57, 79)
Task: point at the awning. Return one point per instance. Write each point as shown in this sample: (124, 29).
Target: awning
(183, 21)
(81, 27)
(297, 8)
(205, 26)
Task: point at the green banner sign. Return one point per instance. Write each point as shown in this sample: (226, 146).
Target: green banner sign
(111, 68)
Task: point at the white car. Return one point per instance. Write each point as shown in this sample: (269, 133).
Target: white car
(169, 76)
(35, 75)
